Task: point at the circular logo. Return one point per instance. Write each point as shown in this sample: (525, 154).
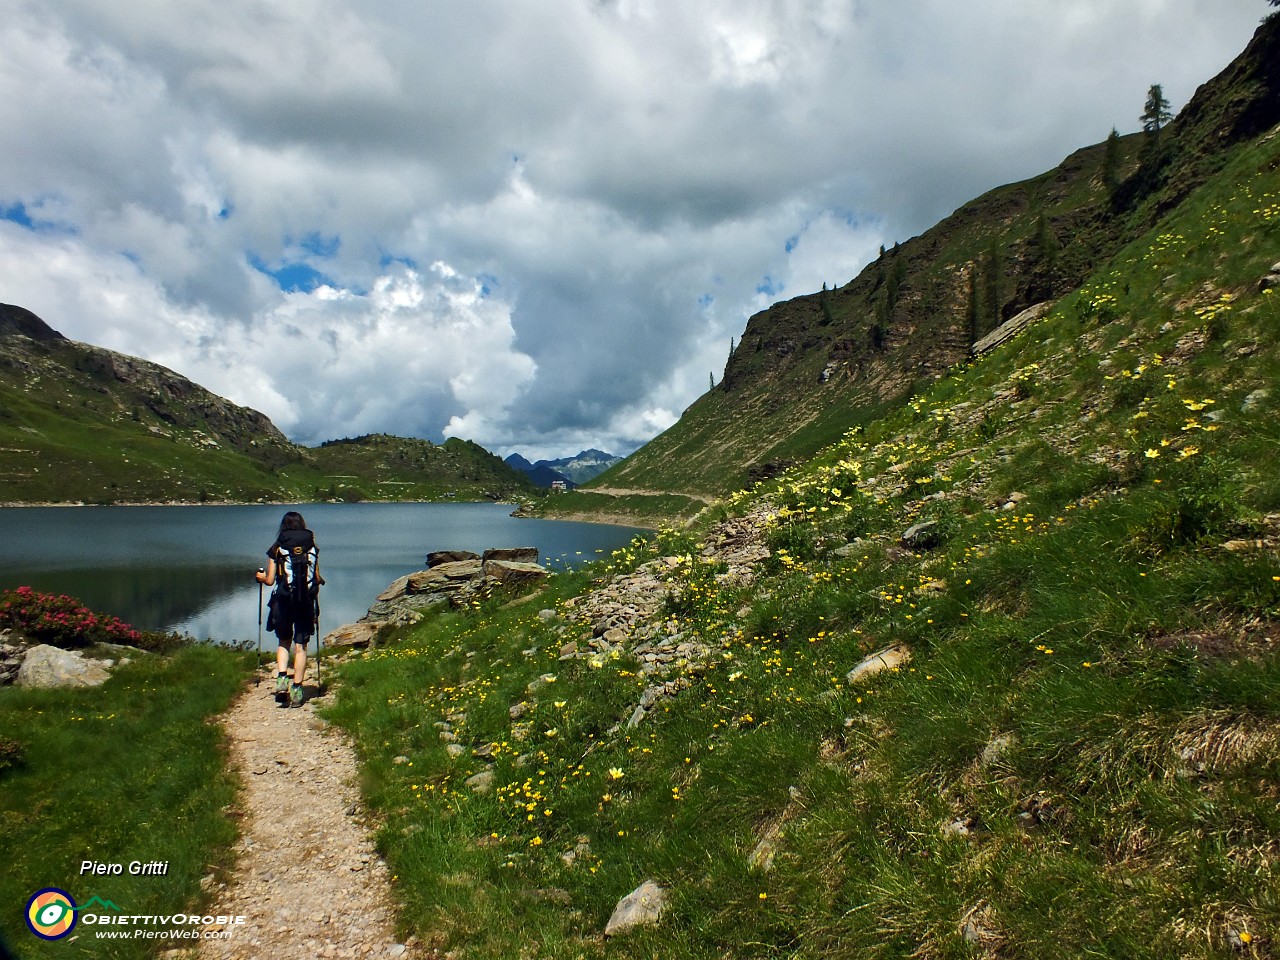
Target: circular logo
(51, 914)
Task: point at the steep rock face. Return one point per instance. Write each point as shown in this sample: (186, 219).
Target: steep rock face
(179, 401)
(908, 309)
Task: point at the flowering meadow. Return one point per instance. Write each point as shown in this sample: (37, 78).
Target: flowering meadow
(60, 620)
(63, 621)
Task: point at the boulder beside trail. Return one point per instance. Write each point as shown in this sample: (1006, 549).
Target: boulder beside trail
(46, 666)
(354, 635)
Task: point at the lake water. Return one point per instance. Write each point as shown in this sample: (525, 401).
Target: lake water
(191, 568)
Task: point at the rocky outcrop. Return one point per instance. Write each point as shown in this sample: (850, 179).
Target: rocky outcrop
(452, 578)
(19, 321)
(11, 657)
(1011, 328)
(624, 616)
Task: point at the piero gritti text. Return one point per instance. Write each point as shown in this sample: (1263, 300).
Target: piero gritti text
(135, 868)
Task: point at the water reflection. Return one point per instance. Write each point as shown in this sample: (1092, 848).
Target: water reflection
(155, 597)
(191, 568)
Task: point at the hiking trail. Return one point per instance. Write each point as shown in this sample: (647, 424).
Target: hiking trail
(307, 878)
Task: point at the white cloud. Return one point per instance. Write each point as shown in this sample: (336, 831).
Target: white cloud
(537, 231)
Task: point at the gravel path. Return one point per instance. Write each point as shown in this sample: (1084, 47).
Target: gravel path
(307, 879)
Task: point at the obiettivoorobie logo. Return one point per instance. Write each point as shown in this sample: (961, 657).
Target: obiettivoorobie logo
(51, 913)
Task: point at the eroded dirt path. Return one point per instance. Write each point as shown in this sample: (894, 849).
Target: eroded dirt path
(308, 880)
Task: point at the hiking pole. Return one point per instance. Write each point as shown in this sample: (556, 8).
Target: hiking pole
(257, 672)
(319, 650)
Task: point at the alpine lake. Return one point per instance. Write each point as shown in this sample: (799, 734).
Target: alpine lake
(190, 569)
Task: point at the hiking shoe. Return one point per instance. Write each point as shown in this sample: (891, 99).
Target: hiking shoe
(282, 685)
(295, 696)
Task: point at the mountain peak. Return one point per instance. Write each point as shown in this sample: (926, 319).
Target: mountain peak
(19, 321)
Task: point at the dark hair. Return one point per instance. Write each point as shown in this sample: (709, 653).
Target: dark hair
(292, 521)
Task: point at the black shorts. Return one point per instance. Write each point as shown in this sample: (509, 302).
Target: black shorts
(292, 623)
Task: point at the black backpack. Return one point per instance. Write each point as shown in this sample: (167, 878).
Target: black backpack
(298, 567)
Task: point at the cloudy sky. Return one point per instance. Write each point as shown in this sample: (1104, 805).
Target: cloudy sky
(536, 226)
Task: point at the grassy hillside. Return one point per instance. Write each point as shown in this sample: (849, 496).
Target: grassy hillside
(1072, 543)
(381, 467)
(807, 368)
(83, 424)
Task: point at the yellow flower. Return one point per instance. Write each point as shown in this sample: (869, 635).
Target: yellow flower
(1152, 453)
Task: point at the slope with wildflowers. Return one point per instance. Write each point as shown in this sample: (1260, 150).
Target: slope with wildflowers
(1075, 539)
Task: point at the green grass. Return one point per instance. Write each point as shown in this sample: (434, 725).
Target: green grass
(133, 770)
(639, 509)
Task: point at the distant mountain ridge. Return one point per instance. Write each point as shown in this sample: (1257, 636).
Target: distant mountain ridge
(572, 471)
(80, 423)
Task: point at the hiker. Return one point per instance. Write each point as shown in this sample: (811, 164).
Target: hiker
(294, 570)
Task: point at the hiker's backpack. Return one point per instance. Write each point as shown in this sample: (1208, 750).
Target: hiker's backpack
(298, 567)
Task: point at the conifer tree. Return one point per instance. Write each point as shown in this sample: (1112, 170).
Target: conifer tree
(973, 311)
(1111, 162)
(1157, 114)
(992, 292)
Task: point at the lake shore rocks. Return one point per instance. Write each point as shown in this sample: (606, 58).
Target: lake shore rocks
(455, 578)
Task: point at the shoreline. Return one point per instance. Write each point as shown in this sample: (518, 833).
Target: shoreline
(600, 519)
(231, 503)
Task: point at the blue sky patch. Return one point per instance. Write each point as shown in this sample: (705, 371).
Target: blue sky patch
(293, 277)
(769, 287)
(319, 245)
(387, 259)
(18, 212)
(488, 283)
